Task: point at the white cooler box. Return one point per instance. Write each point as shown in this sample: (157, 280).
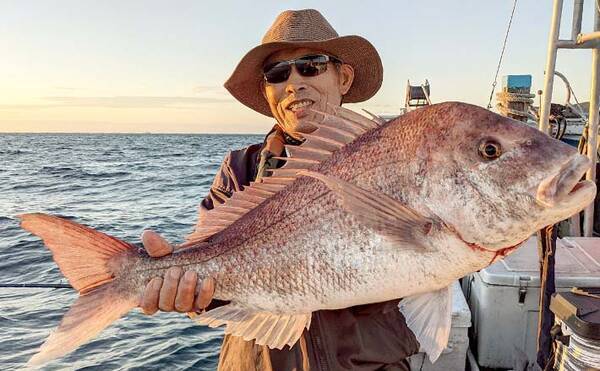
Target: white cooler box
(504, 297)
(455, 355)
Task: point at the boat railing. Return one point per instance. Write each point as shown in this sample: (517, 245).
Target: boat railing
(578, 40)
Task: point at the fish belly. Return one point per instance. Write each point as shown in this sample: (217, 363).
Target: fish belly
(339, 270)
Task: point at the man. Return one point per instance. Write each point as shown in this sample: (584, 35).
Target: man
(302, 63)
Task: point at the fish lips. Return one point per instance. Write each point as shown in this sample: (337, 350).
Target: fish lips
(566, 189)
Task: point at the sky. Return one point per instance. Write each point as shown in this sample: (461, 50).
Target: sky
(159, 66)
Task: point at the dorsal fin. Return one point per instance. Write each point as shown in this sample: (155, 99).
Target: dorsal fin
(333, 132)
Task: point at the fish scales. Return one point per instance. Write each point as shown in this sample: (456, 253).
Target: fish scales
(401, 211)
(265, 249)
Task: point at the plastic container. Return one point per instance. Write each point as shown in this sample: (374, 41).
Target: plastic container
(514, 83)
(504, 297)
(455, 355)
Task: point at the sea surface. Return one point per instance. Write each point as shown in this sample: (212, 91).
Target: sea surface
(120, 185)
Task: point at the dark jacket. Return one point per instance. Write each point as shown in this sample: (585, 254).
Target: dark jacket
(366, 337)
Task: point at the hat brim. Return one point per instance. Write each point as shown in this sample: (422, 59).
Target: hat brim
(246, 80)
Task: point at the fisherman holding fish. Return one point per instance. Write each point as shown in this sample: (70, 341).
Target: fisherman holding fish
(302, 63)
(309, 258)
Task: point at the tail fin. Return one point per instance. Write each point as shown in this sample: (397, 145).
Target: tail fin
(90, 260)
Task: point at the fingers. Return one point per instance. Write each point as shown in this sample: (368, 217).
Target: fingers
(186, 291)
(168, 291)
(149, 302)
(205, 294)
(177, 292)
(155, 245)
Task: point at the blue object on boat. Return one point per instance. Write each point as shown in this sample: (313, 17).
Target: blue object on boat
(571, 140)
(511, 82)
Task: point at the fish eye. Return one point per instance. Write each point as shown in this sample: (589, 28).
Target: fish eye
(490, 149)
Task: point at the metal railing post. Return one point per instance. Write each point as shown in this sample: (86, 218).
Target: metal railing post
(544, 124)
(592, 145)
(577, 16)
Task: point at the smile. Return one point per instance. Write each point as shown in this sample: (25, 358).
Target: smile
(299, 104)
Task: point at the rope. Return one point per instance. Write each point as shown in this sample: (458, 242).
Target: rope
(505, 111)
(515, 97)
(505, 98)
(489, 106)
(578, 110)
(578, 105)
(35, 286)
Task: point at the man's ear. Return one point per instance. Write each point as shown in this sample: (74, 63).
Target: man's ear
(346, 78)
(262, 88)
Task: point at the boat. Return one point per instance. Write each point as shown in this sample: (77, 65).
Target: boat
(518, 313)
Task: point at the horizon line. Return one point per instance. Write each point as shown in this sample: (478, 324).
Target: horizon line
(122, 132)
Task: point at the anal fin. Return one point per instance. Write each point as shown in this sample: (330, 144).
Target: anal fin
(272, 330)
(429, 317)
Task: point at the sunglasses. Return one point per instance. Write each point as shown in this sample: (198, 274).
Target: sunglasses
(309, 65)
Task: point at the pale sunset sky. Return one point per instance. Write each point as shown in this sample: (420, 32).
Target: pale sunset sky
(159, 66)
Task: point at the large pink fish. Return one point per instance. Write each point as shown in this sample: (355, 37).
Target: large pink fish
(360, 213)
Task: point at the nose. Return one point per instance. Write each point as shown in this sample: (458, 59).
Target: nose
(295, 83)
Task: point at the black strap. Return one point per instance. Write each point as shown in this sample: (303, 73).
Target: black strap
(547, 252)
(291, 140)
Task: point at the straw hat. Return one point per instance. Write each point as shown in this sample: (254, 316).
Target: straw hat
(306, 28)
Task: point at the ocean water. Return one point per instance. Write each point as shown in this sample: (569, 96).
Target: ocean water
(120, 185)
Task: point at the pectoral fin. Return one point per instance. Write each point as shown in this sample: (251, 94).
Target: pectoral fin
(429, 317)
(272, 330)
(387, 216)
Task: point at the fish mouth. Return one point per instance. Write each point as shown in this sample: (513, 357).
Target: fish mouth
(566, 190)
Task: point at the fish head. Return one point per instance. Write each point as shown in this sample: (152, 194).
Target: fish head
(496, 180)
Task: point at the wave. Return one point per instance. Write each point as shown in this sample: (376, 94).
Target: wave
(55, 169)
(75, 173)
(105, 174)
(120, 184)
(14, 152)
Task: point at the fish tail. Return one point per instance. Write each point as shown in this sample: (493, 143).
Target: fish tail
(90, 260)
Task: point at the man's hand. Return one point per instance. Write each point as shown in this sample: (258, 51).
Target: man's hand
(177, 290)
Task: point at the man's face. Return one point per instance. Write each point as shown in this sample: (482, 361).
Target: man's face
(290, 99)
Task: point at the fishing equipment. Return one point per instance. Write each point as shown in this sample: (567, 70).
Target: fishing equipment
(512, 14)
(577, 329)
(577, 41)
(417, 96)
(35, 286)
(504, 297)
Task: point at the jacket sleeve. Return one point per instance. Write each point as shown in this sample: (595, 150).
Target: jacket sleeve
(220, 190)
(237, 170)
